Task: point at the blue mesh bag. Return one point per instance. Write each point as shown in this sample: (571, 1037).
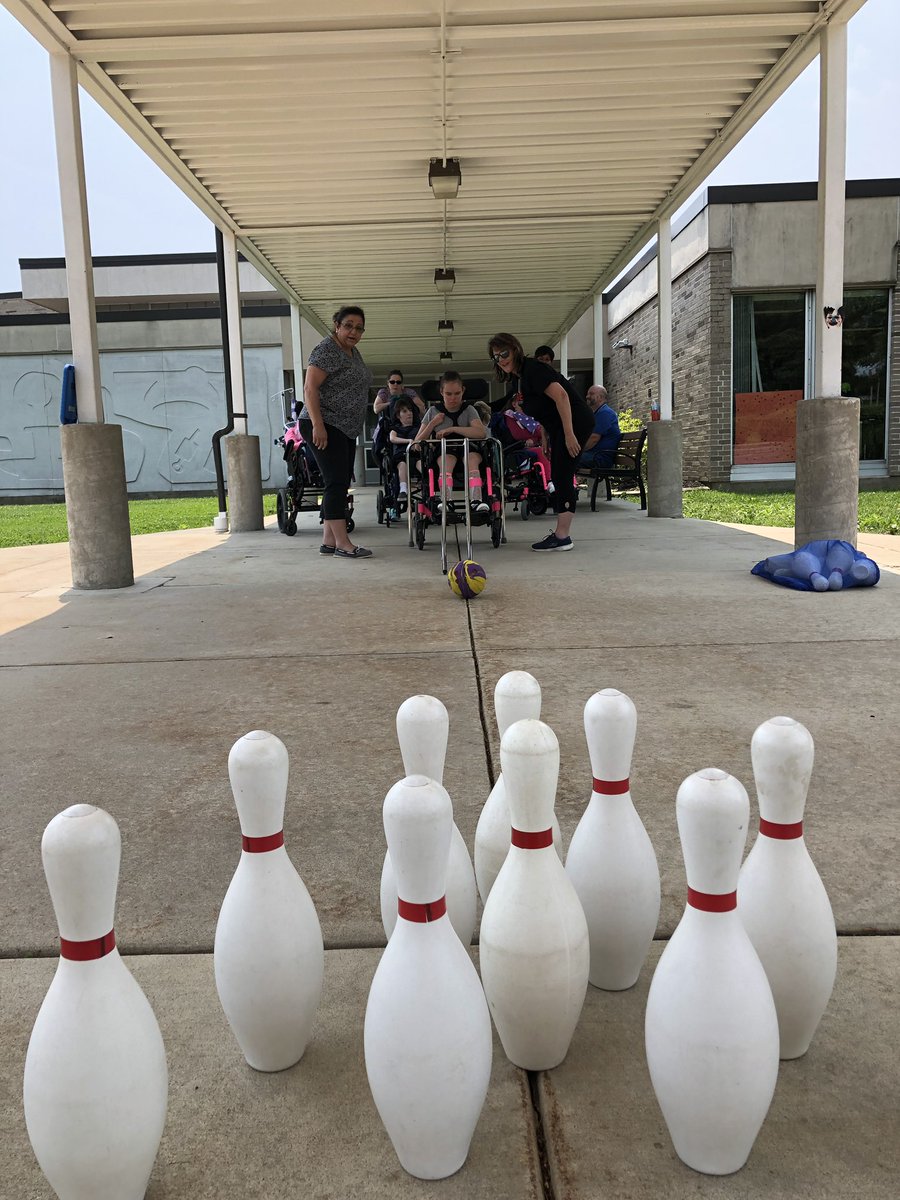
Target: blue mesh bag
(823, 566)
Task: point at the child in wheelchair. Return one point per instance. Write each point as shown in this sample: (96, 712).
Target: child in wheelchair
(452, 418)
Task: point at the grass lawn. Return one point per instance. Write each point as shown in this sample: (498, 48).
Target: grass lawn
(37, 524)
(879, 512)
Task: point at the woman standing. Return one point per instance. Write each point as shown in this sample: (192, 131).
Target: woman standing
(550, 399)
(336, 393)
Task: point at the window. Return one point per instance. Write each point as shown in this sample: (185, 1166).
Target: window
(769, 365)
(771, 344)
(864, 364)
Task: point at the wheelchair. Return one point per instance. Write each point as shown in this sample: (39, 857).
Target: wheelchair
(303, 492)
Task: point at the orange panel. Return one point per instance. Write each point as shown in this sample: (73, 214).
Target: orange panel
(765, 427)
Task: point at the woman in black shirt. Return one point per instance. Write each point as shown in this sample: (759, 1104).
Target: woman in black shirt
(549, 398)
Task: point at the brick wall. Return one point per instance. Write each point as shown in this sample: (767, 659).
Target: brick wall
(701, 365)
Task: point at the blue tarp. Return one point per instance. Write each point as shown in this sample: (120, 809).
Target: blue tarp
(824, 566)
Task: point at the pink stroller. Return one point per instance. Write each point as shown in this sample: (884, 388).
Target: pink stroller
(303, 492)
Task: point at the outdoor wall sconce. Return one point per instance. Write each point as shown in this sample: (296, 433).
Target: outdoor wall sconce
(444, 178)
(623, 344)
(444, 279)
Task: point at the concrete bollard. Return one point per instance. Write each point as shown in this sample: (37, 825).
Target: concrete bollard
(242, 470)
(826, 499)
(665, 474)
(93, 462)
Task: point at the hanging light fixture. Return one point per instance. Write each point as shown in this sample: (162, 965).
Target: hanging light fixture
(444, 178)
(445, 326)
(444, 279)
(445, 354)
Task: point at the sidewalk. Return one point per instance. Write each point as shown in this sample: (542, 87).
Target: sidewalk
(132, 699)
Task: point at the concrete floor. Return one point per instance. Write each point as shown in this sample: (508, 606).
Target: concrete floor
(132, 699)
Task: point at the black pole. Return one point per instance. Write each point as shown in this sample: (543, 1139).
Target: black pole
(226, 356)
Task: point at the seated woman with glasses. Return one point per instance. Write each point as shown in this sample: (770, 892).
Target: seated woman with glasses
(387, 397)
(550, 399)
(336, 394)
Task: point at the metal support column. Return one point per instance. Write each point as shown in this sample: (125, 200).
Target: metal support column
(235, 339)
(76, 237)
(93, 455)
(245, 502)
(827, 481)
(665, 476)
(564, 354)
(297, 352)
(598, 339)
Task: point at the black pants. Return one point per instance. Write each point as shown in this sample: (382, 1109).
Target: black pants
(336, 465)
(562, 463)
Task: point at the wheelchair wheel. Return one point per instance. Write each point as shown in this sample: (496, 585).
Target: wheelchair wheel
(524, 510)
(420, 533)
(290, 527)
(496, 532)
(379, 507)
(281, 509)
(537, 505)
(351, 524)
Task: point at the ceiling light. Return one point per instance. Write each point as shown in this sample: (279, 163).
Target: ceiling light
(444, 178)
(445, 326)
(444, 279)
(446, 354)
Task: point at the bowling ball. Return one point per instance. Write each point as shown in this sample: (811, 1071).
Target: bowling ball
(467, 579)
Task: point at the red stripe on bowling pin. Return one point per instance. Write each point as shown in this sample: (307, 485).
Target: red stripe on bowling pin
(532, 841)
(261, 845)
(711, 902)
(85, 951)
(783, 833)
(422, 912)
(612, 787)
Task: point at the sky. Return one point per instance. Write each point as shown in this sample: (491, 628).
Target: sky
(135, 209)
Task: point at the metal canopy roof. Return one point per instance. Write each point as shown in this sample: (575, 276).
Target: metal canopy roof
(308, 132)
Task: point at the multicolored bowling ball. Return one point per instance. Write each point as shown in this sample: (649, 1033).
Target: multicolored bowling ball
(467, 579)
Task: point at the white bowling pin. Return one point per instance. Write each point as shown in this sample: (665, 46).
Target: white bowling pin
(611, 861)
(782, 901)
(427, 1028)
(423, 728)
(534, 940)
(96, 1083)
(710, 1029)
(268, 955)
(517, 696)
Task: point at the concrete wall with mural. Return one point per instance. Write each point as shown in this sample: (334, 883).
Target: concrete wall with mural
(168, 402)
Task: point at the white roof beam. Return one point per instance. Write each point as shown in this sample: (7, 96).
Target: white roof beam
(278, 42)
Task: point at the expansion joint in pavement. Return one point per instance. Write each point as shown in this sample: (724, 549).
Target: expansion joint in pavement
(540, 1137)
(482, 710)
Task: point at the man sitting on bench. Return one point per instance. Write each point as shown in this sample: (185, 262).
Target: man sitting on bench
(600, 448)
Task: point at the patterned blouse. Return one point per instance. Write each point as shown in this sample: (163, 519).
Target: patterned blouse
(344, 394)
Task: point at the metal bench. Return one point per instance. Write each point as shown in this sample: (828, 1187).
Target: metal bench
(625, 470)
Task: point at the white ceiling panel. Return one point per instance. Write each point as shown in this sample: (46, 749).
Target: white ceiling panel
(307, 131)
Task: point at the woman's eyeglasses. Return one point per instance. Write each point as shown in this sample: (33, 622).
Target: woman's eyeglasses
(501, 356)
(351, 328)
(392, 382)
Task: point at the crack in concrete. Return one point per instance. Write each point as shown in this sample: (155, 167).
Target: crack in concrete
(482, 708)
(540, 1135)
